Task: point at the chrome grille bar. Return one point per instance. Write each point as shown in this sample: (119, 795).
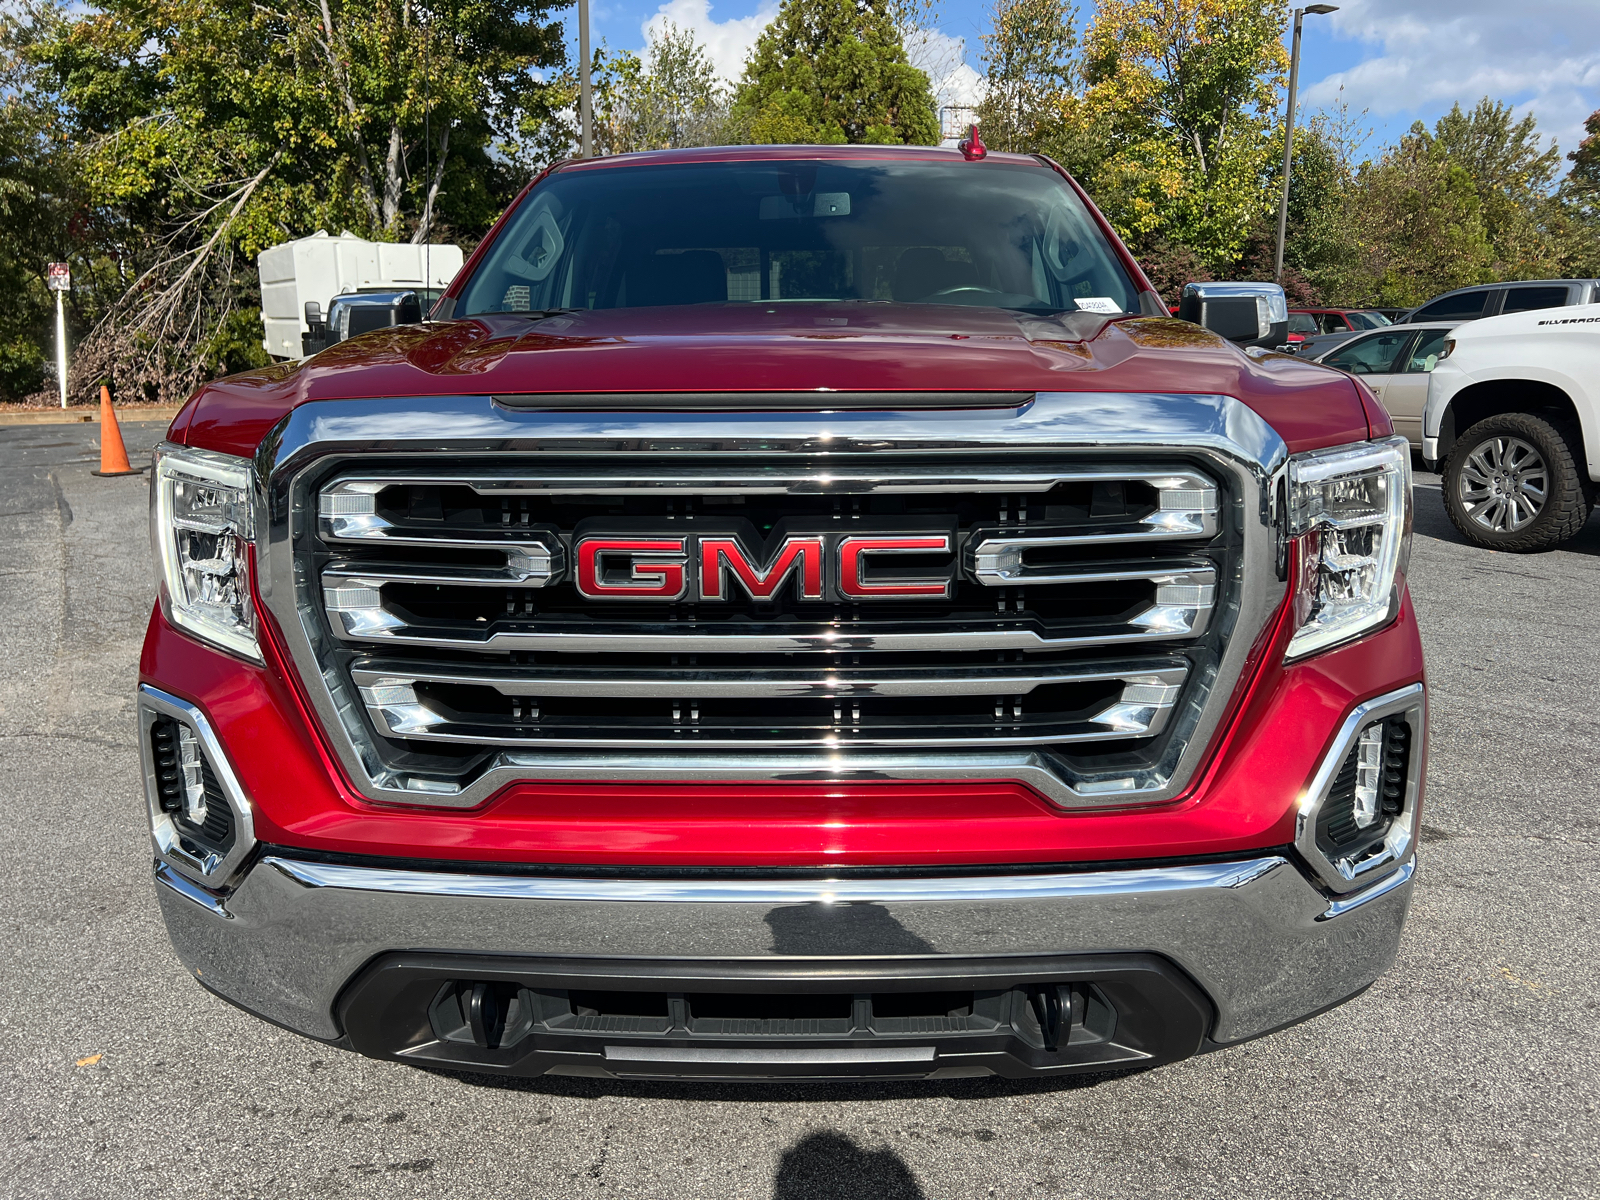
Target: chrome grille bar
(1161, 678)
(1183, 603)
(1141, 709)
(354, 494)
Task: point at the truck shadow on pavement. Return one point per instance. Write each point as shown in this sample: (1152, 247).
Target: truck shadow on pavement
(827, 1165)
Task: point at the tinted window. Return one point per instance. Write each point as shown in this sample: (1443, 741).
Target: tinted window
(1526, 299)
(1367, 320)
(1467, 306)
(1001, 236)
(1370, 355)
(1333, 323)
(1424, 355)
(1302, 323)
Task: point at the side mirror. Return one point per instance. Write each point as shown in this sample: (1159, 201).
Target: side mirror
(1248, 314)
(315, 340)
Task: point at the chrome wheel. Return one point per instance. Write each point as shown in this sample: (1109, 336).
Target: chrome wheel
(1503, 484)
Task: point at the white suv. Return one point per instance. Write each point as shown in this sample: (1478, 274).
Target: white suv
(1513, 414)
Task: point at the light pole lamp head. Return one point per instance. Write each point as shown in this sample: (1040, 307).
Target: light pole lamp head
(1319, 9)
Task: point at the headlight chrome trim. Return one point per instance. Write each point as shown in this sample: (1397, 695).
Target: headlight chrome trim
(175, 463)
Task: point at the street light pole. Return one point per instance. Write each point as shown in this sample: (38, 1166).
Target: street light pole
(1288, 129)
(585, 99)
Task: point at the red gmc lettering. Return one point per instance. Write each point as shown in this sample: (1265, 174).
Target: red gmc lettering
(660, 577)
(853, 552)
(720, 554)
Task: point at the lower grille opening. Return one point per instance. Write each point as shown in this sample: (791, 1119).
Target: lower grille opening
(853, 1018)
(493, 1015)
(921, 1004)
(733, 1006)
(618, 1004)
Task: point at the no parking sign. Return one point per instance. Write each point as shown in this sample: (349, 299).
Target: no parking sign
(59, 277)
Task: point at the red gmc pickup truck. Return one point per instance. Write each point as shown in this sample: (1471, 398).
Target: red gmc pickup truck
(791, 611)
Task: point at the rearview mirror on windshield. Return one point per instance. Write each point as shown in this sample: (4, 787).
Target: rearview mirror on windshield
(823, 204)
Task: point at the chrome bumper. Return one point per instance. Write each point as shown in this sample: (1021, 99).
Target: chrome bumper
(1265, 945)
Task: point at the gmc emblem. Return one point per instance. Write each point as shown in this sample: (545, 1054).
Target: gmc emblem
(718, 566)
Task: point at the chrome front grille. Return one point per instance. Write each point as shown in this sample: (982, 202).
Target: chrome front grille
(1095, 603)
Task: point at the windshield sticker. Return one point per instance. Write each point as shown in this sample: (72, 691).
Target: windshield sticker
(1097, 304)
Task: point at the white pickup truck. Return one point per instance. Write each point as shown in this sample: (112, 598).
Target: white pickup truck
(1513, 414)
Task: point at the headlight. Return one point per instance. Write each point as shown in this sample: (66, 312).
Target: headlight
(1447, 349)
(201, 526)
(1350, 517)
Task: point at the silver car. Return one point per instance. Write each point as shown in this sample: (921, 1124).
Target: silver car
(1394, 362)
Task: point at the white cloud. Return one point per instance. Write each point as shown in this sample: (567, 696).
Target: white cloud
(944, 58)
(1542, 56)
(726, 42)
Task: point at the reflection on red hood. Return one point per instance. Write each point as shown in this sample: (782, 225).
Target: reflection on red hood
(787, 347)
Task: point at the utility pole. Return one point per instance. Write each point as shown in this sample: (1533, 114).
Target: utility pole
(585, 99)
(1288, 129)
(59, 279)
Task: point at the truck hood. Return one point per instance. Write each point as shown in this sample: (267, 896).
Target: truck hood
(785, 347)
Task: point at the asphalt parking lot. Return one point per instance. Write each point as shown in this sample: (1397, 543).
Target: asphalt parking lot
(1471, 1069)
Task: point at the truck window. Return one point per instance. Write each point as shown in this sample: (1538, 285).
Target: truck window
(1371, 355)
(1527, 299)
(1003, 236)
(1424, 356)
(1462, 306)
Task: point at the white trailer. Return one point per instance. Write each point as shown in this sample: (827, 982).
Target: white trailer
(321, 267)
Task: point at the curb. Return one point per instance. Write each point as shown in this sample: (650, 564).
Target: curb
(77, 416)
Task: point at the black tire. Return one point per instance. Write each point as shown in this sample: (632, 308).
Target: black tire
(1489, 485)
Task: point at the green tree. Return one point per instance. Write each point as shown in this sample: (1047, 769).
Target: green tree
(1582, 185)
(36, 201)
(832, 72)
(1421, 224)
(210, 129)
(1187, 91)
(1514, 174)
(1029, 59)
(670, 97)
(1580, 200)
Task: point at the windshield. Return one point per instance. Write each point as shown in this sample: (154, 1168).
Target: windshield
(991, 234)
(1367, 320)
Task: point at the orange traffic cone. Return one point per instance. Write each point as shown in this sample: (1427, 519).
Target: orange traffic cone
(113, 454)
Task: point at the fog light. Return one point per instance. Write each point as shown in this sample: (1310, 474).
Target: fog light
(200, 820)
(1358, 818)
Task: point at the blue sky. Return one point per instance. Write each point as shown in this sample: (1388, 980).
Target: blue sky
(1399, 60)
